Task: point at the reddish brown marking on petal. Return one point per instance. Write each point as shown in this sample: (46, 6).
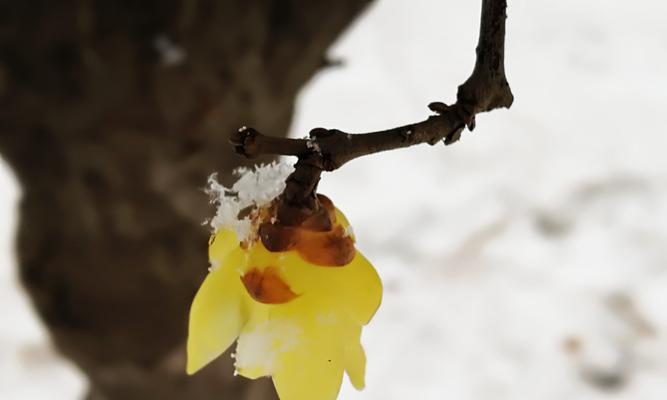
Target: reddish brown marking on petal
(267, 286)
(330, 249)
(328, 205)
(318, 238)
(277, 237)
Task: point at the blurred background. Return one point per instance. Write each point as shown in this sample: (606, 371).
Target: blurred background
(527, 261)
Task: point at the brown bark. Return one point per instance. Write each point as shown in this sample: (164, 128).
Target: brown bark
(112, 139)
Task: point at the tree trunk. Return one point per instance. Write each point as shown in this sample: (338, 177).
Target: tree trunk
(112, 115)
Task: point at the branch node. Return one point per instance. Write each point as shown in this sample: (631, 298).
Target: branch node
(244, 141)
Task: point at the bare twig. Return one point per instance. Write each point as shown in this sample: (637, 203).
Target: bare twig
(328, 149)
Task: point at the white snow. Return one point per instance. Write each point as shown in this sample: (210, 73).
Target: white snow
(255, 188)
(257, 350)
(312, 144)
(527, 261)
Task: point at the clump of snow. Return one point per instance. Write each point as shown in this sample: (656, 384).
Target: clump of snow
(255, 188)
(257, 349)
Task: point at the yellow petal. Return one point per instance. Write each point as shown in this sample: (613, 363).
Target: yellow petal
(354, 289)
(217, 314)
(323, 322)
(220, 244)
(361, 289)
(261, 342)
(355, 358)
(302, 378)
(342, 219)
(312, 367)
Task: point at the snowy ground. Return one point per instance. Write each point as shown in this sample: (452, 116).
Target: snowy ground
(528, 261)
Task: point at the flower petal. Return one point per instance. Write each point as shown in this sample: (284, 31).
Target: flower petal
(262, 340)
(313, 367)
(355, 358)
(217, 314)
(342, 219)
(362, 289)
(355, 287)
(220, 244)
(301, 378)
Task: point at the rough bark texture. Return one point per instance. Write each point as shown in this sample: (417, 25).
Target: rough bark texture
(112, 134)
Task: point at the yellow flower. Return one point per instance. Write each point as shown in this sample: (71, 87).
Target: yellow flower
(297, 313)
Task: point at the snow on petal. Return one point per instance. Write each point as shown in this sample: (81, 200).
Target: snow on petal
(255, 188)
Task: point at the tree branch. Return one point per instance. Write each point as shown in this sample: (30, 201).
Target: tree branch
(328, 149)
